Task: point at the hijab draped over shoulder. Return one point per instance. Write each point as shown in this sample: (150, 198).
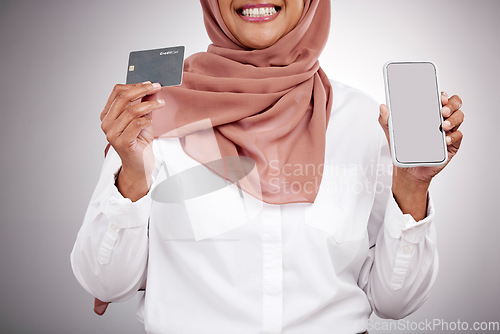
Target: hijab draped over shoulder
(271, 105)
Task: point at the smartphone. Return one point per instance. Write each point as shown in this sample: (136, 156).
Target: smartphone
(414, 101)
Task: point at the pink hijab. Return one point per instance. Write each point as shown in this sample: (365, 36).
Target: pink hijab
(272, 105)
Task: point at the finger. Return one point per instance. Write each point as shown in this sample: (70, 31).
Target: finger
(125, 96)
(444, 98)
(129, 135)
(454, 103)
(142, 109)
(454, 121)
(383, 119)
(454, 139)
(118, 88)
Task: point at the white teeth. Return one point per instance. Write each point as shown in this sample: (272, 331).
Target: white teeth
(259, 12)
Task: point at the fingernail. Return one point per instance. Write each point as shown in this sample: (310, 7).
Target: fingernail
(446, 111)
(445, 94)
(156, 85)
(446, 125)
(146, 82)
(448, 140)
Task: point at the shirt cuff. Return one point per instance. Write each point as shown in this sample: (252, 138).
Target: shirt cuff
(403, 226)
(121, 212)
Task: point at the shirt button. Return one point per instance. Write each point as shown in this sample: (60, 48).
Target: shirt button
(113, 227)
(407, 249)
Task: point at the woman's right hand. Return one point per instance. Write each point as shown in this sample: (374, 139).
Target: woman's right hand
(126, 121)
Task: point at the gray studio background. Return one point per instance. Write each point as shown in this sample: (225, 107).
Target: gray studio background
(60, 60)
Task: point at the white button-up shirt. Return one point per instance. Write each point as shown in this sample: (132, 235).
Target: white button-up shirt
(225, 262)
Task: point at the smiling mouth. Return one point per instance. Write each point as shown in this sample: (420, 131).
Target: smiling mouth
(259, 12)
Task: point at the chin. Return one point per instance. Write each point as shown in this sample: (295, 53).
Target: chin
(258, 43)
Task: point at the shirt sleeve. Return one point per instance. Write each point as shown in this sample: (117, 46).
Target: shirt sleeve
(109, 257)
(402, 264)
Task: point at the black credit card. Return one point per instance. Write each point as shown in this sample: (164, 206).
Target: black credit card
(159, 65)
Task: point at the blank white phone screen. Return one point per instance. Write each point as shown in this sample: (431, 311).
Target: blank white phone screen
(416, 113)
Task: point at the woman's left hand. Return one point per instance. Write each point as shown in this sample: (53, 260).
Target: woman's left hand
(453, 118)
(409, 182)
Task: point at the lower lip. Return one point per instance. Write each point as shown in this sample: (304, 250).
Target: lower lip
(260, 18)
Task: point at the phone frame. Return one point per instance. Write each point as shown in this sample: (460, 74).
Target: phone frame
(391, 132)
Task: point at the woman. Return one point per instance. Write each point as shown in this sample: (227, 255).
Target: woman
(317, 239)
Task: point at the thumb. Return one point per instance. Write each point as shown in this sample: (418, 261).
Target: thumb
(383, 119)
